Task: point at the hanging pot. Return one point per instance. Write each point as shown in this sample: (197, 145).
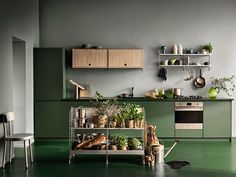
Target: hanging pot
(200, 82)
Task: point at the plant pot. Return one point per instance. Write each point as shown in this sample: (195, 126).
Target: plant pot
(101, 147)
(140, 124)
(129, 124)
(136, 124)
(124, 148)
(113, 124)
(213, 92)
(101, 121)
(121, 124)
(112, 147)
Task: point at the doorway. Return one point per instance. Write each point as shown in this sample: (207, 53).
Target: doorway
(19, 84)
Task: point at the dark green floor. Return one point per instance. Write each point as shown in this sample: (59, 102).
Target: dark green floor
(208, 159)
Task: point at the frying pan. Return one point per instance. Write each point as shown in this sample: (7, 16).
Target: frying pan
(200, 81)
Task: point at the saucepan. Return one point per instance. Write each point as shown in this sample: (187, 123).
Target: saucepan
(200, 82)
(177, 91)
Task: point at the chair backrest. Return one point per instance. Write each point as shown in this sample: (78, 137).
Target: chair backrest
(6, 119)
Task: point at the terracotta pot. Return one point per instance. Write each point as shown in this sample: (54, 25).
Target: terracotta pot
(101, 147)
(124, 148)
(112, 147)
(121, 124)
(136, 123)
(101, 121)
(113, 124)
(131, 124)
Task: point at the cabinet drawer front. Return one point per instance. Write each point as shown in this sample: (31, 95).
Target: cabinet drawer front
(125, 58)
(89, 58)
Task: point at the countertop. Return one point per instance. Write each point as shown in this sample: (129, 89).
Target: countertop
(149, 99)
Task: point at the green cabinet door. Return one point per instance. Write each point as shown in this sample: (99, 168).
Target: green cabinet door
(51, 118)
(49, 73)
(217, 119)
(161, 114)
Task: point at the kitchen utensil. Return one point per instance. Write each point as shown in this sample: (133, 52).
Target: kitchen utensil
(177, 91)
(200, 81)
(189, 72)
(162, 74)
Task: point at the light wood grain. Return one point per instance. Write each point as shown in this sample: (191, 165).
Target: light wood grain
(125, 58)
(89, 58)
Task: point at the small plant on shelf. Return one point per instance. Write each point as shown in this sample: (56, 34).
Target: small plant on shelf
(133, 143)
(113, 142)
(122, 142)
(104, 108)
(208, 47)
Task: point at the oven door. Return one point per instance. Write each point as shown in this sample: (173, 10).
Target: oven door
(188, 119)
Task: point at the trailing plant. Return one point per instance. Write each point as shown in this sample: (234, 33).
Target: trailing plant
(225, 84)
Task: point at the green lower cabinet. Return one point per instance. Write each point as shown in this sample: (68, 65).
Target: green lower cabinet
(217, 119)
(162, 115)
(188, 133)
(52, 118)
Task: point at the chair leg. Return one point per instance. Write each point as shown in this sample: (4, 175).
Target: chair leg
(4, 154)
(26, 156)
(31, 154)
(10, 151)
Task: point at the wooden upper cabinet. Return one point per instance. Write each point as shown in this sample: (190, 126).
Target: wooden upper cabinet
(125, 58)
(89, 58)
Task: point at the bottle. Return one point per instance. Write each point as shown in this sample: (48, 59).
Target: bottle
(180, 49)
(175, 49)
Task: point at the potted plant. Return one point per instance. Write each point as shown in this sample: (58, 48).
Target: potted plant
(133, 143)
(207, 48)
(113, 142)
(113, 121)
(138, 119)
(129, 110)
(104, 108)
(225, 84)
(122, 142)
(122, 116)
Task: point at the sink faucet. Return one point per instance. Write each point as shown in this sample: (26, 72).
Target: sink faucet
(132, 92)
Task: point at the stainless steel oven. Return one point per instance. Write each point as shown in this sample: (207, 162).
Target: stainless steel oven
(188, 115)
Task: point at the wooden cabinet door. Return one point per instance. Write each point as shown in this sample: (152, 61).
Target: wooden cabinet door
(125, 58)
(89, 58)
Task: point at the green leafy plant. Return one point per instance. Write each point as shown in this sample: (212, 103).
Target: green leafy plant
(208, 47)
(225, 84)
(113, 139)
(130, 111)
(133, 142)
(122, 141)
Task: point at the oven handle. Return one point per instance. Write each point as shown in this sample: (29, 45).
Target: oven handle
(188, 108)
(185, 110)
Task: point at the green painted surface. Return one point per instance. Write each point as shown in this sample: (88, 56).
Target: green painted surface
(207, 159)
(161, 114)
(188, 133)
(49, 73)
(217, 119)
(52, 118)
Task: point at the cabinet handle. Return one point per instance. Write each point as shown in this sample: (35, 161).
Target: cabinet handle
(89, 64)
(125, 64)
